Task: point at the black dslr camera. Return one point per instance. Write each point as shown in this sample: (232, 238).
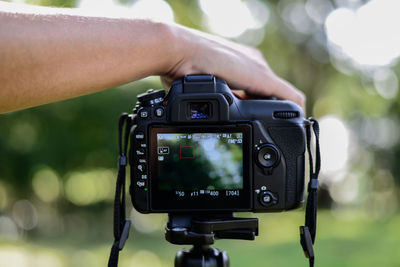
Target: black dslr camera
(201, 149)
(200, 154)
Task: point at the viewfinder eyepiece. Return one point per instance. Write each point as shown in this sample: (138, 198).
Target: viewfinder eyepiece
(199, 110)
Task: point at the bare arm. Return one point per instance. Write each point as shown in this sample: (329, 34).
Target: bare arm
(44, 58)
(49, 57)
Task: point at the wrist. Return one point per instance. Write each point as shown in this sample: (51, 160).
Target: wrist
(171, 47)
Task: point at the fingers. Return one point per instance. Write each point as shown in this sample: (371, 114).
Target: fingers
(272, 85)
(241, 66)
(254, 75)
(240, 94)
(277, 87)
(267, 85)
(284, 90)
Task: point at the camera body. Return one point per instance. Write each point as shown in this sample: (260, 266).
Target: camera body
(200, 149)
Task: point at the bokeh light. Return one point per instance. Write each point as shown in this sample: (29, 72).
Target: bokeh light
(147, 223)
(386, 83)
(231, 18)
(334, 144)
(296, 17)
(46, 259)
(25, 214)
(157, 10)
(8, 229)
(50, 219)
(346, 190)
(85, 258)
(88, 187)
(370, 35)
(19, 257)
(14, 257)
(379, 132)
(145, 258)
(46, 184)
(318, 10)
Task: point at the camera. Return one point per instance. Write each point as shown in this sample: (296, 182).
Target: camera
(201, 154)
(200, 149)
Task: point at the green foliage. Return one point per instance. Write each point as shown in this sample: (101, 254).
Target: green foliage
(69, 135)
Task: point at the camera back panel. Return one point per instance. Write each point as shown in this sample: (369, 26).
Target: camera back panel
(201, 149)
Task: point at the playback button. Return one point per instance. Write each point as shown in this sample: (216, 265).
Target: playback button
(143, 113)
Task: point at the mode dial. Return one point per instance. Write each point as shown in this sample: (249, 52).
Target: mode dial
(151, 97)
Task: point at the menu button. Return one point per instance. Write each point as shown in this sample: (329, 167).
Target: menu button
(139, 136)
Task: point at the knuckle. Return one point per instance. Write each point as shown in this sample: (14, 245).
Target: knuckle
(300, 98)
(257, 52)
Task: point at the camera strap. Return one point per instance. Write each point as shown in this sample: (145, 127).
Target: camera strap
(121, 224)
(308, 231)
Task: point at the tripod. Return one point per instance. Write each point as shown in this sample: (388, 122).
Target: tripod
(200, 230)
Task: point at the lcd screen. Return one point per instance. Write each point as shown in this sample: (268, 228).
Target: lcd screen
(200, 161)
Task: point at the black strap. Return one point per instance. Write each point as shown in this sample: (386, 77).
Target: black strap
(308, 232)
(121, 224)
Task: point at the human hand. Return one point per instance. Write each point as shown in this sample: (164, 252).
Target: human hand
(242, 67)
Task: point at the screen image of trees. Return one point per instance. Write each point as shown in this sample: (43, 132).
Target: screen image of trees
(206, 161)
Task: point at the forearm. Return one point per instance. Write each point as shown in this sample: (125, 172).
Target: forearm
(45, 58)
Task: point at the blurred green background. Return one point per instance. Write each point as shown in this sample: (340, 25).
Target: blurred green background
(58, 161)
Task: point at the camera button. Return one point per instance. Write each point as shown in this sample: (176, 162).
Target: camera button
(140, 152)
(267, 156)
(141, 167)
(267, 198)
(141, 184)
(143, 114)
(159, 112)
(139, 135)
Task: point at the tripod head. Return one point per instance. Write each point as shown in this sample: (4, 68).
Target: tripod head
(201, 232)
